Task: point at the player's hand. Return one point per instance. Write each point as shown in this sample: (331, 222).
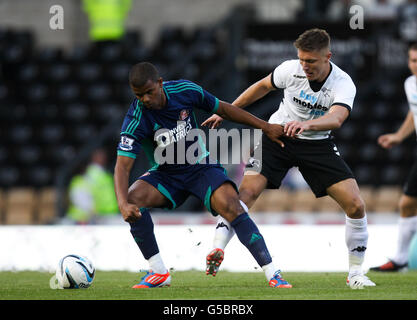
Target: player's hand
(388, 140)
(274, 131)
(130, 212)
(213, 122)
(293, 128)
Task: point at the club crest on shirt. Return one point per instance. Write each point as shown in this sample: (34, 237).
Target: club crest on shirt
(326, 91)
(184, 114)
(147, 173)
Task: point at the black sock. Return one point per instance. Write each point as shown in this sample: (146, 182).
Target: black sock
(248, 233)
(142, 232)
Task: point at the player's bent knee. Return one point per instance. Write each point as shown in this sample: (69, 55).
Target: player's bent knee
(408, 206)
(356, 208)
(227, 205)
(248, 197)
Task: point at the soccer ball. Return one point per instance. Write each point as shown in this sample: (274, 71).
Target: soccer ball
(74, 272)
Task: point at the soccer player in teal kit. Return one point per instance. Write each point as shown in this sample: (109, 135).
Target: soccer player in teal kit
(161, 117)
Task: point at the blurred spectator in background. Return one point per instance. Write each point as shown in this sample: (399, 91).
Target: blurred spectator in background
(312, 10)
(339, 10)
(80, 209)
(91, 193)
(379, 10)
(407, 17)
(107, 18)
(407, 225)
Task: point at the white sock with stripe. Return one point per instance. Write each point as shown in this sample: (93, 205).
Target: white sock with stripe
(356, 237)
(224, 231)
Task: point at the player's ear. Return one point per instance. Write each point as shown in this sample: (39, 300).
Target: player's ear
(160, 80)
(329, 55)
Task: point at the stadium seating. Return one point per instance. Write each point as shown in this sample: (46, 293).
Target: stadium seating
(304, 200)
(367, 194)
(46, 208)
(2, 205)
(10, 175)
(53, 102)
(386, 199)
(20, 206)
(273, 200)
(327, 204)
(383, 199)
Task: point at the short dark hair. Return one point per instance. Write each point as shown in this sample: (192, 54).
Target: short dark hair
(413, 46)
(141, 72)
(313, 40)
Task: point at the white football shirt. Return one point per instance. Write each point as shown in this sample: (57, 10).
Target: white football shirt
(410, 87)
(301, 102)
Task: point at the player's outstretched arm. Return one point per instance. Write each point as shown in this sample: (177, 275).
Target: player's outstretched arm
(333, 120)
(233, 113)
(130, 212)
(213, 122)
(389, 140)
(255, 92)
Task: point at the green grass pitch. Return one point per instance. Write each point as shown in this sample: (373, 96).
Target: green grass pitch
(195, 285)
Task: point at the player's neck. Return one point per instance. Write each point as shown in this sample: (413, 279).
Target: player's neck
(164, 98)
(325, 74)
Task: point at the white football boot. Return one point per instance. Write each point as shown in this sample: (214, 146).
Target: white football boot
(359, 281)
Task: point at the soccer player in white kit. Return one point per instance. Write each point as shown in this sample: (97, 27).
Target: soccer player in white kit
(318, 97)
(407, 224)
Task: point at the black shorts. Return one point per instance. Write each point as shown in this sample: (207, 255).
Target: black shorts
(410, 187)
(318, 161)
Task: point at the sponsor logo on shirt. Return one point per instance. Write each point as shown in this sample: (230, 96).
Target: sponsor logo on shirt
(184, 114)
(309, 101)
(308, 97)
(165, 137)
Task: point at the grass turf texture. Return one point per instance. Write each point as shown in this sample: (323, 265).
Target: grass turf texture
(195, 285)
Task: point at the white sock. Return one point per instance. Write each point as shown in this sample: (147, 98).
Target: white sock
(224, 232)
(406, 229)
(356, 237)
(269, 270)
(156, 264)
